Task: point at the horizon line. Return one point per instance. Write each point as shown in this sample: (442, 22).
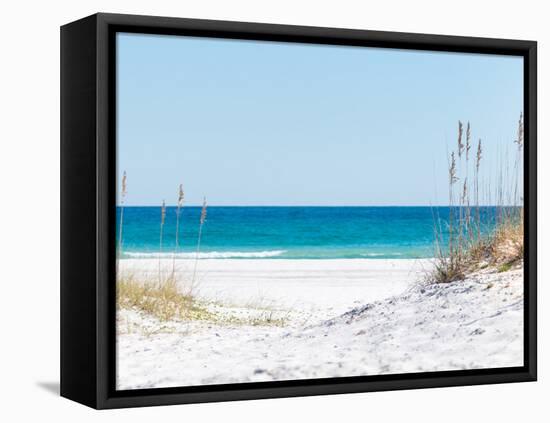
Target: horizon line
(320, 205)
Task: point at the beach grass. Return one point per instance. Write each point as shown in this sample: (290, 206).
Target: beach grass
(164, 301)
(169, 296)
(502, 249)
(468, 248)
(168, 302)
(161, 298)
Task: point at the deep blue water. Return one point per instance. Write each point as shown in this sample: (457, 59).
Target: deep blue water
(287, 232)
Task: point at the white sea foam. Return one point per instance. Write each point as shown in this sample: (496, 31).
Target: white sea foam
(380, 254)
(209, 255)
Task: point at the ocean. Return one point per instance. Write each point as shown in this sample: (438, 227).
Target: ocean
(286, 232)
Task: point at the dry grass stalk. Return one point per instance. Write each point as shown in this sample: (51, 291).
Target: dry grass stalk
(201, 224)
(452, 180)
(518, 160)
(123, 192)
(520, 135)
(466, 194)
(178, 210)
(479, 156)
(203, 212)
(162, 220)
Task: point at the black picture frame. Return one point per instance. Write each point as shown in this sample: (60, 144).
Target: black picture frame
(88, 156)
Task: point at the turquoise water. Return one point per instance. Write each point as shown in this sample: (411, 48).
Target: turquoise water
(287, 232)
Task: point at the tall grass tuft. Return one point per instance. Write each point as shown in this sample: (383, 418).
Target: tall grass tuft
(165, 301)
(169, 296)
(468, 246)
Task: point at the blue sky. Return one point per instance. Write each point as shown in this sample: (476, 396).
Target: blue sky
(265, 123)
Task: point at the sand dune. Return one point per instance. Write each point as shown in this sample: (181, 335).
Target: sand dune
(341, 318)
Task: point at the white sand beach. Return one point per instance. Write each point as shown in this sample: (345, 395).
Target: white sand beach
(321, 318)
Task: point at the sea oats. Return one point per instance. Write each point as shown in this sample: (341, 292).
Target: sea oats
(123, 192)
(178, 210)
(452, 170)
(479, 154)
(203, 212)
(468, 246)
(162, 219)
(162, 213)
(201, 223)
(180, 196)
(460, 144)
(520, 135)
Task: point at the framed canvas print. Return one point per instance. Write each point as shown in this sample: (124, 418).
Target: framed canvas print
(256, 211)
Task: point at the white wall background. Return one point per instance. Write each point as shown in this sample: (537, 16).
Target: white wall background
(29, 192)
